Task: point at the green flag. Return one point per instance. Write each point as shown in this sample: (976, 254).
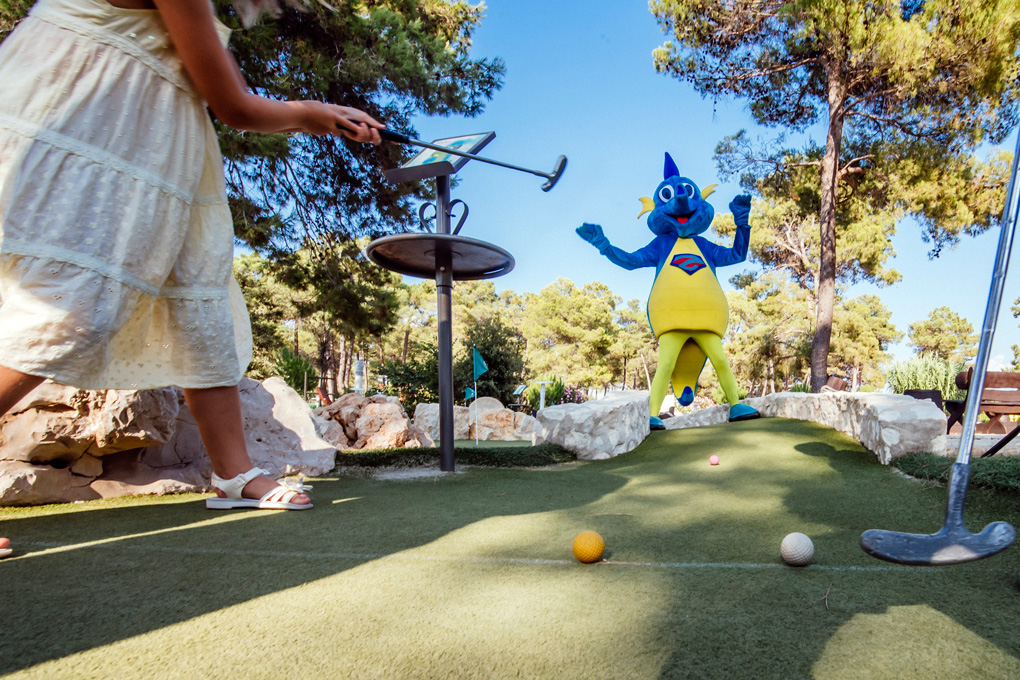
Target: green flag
(468, 393)
(480, 366)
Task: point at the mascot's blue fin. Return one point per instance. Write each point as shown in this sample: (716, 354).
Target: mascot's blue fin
(687, 371)
(669, 168)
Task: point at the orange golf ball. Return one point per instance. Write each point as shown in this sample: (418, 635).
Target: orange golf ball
(588, 547)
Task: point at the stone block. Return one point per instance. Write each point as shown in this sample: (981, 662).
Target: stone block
(597, 429)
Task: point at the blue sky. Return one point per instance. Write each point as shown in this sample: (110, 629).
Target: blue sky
(580, 83)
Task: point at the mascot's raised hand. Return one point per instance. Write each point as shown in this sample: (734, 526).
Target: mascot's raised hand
(687, 309)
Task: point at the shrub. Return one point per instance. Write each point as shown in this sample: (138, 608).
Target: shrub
(416, 380)
(293, 368)
(799, 387)
(555, 393)
(926, 372)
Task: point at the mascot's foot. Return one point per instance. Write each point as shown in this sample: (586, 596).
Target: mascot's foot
(655, 424)
(742, 412)
(686, 397)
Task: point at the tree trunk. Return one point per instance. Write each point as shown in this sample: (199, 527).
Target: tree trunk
(644, 363)
(827, 227)
(407, 341)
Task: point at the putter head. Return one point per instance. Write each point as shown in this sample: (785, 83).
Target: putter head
(554, 176)
(951, 545)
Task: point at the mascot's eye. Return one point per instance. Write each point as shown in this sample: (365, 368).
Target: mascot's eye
(689, 189)
(666, 193)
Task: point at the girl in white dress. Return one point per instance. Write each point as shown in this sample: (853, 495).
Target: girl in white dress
(115, 237)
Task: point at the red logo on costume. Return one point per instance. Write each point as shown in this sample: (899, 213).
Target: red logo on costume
(688, 263)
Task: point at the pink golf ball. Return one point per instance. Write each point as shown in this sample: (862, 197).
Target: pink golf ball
(713, 460)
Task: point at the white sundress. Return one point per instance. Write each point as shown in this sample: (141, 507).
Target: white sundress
(116, 241)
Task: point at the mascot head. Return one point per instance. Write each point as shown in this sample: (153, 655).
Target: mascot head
(679, 207)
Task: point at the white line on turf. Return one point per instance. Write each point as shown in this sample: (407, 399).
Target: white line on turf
(49, 548)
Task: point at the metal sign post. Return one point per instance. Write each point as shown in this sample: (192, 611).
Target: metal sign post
(444, 255)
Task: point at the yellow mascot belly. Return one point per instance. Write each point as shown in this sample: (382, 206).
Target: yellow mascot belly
(686, 294)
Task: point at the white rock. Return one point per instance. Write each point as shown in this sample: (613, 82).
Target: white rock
(582, 428)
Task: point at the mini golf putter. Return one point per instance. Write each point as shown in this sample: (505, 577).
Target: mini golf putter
(552, 177)
(954, 544)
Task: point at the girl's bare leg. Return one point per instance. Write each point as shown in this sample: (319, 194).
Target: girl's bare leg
(14, 386)
(217, 411)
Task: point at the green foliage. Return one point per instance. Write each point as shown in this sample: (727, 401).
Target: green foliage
(571, 332)
(502, 349)
(392, 59)
(295, 369)
(945, 334)
(904, 106)
(768, 339)
(556, 392)
(524, 455)
(799, 387)
(927, 372)
(867, 388)
(269, 304)
(1001, 473)
(415, 381)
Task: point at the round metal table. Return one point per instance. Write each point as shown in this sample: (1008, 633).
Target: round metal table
(425, 256)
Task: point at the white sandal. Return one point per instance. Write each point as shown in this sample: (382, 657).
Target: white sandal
(275, 499)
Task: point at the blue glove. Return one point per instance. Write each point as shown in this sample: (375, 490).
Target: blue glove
(740, 206)
(592, 233)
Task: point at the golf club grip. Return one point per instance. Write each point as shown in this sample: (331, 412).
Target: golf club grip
(395, 137)
(386, 135)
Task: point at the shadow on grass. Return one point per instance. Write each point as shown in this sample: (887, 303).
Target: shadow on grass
(85, 579)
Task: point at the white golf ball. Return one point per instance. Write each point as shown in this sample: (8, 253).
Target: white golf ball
(797, 549)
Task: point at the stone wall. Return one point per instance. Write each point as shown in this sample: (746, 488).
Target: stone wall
(598, 429)
(890, 425)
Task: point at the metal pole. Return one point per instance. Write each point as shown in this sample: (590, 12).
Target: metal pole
(444, 289)
(977, 380)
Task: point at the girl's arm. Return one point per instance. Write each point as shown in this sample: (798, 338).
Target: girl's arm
(218, 78)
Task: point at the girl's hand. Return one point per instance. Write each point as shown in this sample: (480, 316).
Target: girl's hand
(331, 119)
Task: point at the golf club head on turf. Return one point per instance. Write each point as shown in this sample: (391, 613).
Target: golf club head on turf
(554, 176)
(953, 545)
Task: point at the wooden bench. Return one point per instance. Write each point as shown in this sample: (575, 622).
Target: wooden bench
(1000, 397)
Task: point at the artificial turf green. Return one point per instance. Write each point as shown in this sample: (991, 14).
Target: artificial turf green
(470, 575)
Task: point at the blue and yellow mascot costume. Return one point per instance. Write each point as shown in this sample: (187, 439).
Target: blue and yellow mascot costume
(686, 308)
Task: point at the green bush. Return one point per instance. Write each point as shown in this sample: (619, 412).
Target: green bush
(555, 393)
(525, 455)
(414, 381)
(926, 372)
(799, 387)
(867, 388)
(293, 368)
